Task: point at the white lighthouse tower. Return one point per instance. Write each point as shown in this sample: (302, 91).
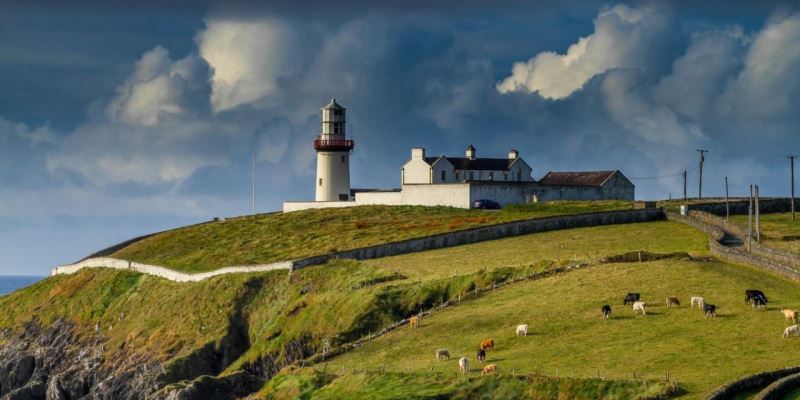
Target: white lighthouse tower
(333, 155)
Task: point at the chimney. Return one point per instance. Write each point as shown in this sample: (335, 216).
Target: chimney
(470, 152)
(513, 154)
(417, 153)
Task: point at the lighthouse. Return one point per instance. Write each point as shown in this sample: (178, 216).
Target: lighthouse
(333, 155)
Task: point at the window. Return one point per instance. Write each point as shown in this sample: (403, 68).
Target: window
(320, 181)
(505, 176)
(471, 175)
(491, 175)
(342, 158)
(335, 129)
(444, 176)
(456, 175)
(343, 197)
(519, 176)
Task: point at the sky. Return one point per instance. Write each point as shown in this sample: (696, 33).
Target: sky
(121, 119)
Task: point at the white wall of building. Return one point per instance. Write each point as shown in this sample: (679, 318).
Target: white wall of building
(440, 167)
(333, 176)
(416, 170)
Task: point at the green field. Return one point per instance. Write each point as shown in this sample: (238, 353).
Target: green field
(777, 230)
(582, 244)
(276, 237)
(568, 336)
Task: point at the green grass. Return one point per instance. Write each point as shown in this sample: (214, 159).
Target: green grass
(583, 244)
(306, 384)
(777, 230)
(281, 237)
(568, 336)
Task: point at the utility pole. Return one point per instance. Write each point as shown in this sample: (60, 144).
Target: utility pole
(254, 183)
(758, 215)
(685, 199)
(750, 220)
(702, 159)
(791, 165)
(727, 202)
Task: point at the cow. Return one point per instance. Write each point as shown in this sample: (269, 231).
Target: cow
(630, 298)
(481, 355)
(487, 344)
(413, 322)
(640, 306)
(463, 365)
(750, 294)
(794, 329)
(606, 310)
(522, 330)
(673, 301)
(489, 369)
(790, 314)
(709, 310)
(442, 354)
(758, 302)
(699, 301)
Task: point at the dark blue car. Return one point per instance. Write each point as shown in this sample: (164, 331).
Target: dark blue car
(485, 204)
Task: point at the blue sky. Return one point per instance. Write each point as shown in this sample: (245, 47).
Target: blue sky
(126, 119)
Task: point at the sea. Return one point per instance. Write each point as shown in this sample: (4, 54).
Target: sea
(9, 284)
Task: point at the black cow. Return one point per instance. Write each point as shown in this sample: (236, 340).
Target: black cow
(606, 311)
(481, 356)
(630, 298)
(759, 302)
(751, 294)
(710, 310)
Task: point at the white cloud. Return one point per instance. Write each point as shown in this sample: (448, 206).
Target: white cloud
(247, 58)
(159, 89)
(624, 37)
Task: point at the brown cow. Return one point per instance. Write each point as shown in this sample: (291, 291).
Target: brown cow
(413, 322)
(673, 301)
(790, 314)
(487, 344)
(489, 369)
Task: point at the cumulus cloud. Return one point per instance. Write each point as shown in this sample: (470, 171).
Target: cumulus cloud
(248, 57)
(161, 89)
(624, 37)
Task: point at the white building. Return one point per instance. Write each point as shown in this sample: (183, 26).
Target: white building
(448, 181)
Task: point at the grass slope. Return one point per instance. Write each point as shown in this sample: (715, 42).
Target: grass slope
(568, 335)
(580, 244)
(777, 230)
(280, 237)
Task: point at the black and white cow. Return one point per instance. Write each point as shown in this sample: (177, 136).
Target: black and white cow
(606, 310)
(710, 310)
(751, 294)
(481, 356)
(630, 298)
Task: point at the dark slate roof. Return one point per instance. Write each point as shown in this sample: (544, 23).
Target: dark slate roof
(333, 105)
(588, 178)
(462, 163)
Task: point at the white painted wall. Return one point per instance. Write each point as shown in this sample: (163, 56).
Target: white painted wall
(291, 206)
(416, 170)
(379, 198)
(446, 194)
(443, 165)
(333, 175)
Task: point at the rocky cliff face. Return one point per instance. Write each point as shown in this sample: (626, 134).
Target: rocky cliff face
(53, 363)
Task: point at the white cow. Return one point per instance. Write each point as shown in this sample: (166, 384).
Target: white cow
(699, 301)
(522, 330)
(463, 365)
(639, 306)
(794, 329)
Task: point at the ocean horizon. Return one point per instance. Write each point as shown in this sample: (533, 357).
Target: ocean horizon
(10, 283)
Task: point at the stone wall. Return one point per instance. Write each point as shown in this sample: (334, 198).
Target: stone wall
(445, 194)
(780, 388)
(492, 232)
(166, 273)
(767, 205)
(291, 206)
(750, 382)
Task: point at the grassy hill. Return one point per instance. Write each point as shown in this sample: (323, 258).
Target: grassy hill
(263, 323)
(568, 336)
(276, 237)
(777, 230)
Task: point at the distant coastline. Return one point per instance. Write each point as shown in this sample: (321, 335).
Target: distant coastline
(10, 283)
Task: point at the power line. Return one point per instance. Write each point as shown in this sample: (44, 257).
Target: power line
(663, 176)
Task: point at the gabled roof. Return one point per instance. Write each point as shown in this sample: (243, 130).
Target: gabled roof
(486, 164)
(588, 178)
(333, 105)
